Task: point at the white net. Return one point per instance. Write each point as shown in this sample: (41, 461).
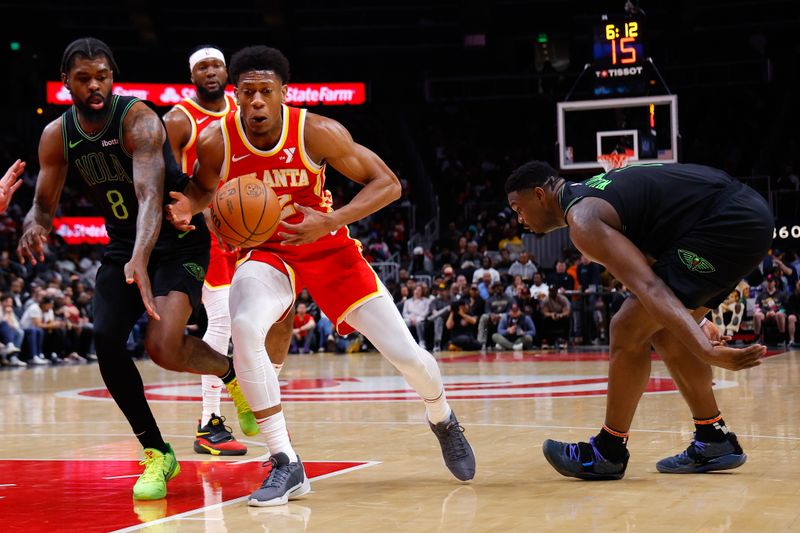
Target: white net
(614, 160)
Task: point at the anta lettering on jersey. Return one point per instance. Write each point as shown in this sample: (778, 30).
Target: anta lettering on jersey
(286, 177)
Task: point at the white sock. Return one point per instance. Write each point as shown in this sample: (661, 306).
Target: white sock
(277, 368)
(438, 409)
(212, 387)
(217, 335)
(274, 430)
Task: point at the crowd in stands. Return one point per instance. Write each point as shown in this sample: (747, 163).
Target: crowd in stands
(476, 288)
(462, 295)
(47, 308)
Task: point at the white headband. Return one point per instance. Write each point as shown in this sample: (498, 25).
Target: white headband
(205, 53)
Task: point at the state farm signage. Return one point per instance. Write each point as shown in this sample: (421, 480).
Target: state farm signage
(81, 230)
(167, 94)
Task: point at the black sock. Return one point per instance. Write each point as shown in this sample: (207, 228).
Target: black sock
(153, 439)
(228, 376)
(710, 429)
(611, 444)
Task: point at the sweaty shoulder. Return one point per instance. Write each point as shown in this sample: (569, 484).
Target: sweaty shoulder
(211, 145)
(211, 136)
(178, 125)
(589, 212)
(142, 129)
(51, 143)
(324, 137)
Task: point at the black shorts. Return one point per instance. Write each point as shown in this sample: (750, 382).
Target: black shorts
(706, 263)
(183, 271)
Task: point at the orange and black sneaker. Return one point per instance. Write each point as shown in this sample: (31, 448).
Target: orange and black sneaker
(215, 438)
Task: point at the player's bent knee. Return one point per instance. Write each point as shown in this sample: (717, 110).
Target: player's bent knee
(246, 332)
(165, 353)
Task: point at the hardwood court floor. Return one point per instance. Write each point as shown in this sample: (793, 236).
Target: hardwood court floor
(69, 460)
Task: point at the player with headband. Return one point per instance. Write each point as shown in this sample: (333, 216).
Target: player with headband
(184, 122)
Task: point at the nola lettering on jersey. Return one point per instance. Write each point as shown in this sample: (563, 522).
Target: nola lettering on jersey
(282, 177)
(101, 167)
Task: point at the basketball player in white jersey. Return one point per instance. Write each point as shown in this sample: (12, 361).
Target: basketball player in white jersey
(184, 124)
(289, 148)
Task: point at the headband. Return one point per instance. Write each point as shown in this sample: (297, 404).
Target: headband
(205, 53)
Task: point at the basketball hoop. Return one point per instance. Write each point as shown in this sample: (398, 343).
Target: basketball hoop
(613, 160)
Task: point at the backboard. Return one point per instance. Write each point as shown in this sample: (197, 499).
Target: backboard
(645, 127)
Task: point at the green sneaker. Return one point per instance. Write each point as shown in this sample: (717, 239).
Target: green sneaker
(158, 469)
(247, 420)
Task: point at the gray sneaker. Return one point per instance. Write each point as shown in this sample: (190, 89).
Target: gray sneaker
(285, 481)
(457, 453)
(702, 457)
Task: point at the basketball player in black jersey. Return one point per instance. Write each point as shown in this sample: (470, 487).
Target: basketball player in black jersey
(681, 237)
(115, 148)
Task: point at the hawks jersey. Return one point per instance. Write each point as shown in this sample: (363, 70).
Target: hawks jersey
(104, 167)
(285, 168)
(200, 118)
(332, 268)
(221, 263)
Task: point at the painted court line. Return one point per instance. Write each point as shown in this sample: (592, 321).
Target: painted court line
(185, 515)
(392, 423)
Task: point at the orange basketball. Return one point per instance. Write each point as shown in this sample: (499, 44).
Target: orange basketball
(245, 212)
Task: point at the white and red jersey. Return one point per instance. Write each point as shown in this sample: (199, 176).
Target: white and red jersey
(331, 268)
(200, 118)
(221, 262)
(286, 168)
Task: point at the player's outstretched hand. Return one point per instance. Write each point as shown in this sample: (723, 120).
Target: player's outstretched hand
(31, 244)
(729, 358)
(179, 212)
(136, 272)
(9, 183)
(313, 226)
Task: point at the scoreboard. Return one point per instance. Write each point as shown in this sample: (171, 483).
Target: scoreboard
(619, 57)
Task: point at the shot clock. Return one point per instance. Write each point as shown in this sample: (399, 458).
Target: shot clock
(619, 56)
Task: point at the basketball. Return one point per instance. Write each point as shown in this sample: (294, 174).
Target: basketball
(245, 212)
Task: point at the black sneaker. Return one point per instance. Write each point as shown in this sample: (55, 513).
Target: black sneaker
(702, 457)
(216, 438)
(457, 452)
(285, 481)
(582, 460)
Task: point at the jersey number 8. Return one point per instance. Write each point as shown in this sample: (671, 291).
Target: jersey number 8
(117, 206)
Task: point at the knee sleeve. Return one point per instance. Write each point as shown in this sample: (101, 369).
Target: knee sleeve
(259, 296)
(380, 321)
(218, 332)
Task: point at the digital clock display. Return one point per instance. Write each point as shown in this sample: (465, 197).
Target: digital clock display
(618, 44)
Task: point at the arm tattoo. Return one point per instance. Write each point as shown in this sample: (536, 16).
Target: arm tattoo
(147, 135)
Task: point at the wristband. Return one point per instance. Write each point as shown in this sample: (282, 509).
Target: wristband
(703, 322)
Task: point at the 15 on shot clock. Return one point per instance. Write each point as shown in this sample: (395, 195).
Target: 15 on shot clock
(619, 54)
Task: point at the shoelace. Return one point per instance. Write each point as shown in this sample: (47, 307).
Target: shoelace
(235, 393)
(456, 447)
(223, 425)
(698, 448)
(574, 452)
(153, 468)
(277, 475)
